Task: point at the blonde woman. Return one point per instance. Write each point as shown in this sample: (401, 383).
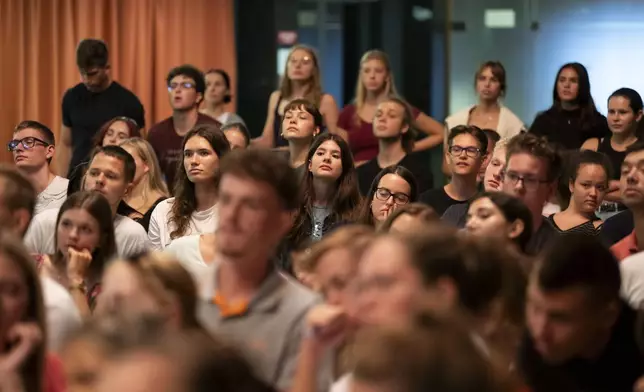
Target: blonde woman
(148, 187)
(301, 80)
(375, 84)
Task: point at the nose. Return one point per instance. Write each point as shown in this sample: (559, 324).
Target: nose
(327, 158)
(194, 160)
(100, 179)
(73, 233)
(593, 191)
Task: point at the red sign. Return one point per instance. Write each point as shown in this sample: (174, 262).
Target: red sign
(287, 37)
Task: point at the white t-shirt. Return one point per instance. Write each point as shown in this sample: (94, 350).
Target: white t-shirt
(53, 196)
(201, 222)
(632, 272)
(186, 250)
(63, 317)
(130, 236)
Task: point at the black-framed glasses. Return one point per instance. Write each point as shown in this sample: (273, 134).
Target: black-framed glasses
(383, 194)
(471, 152)
(27, 143)
(184, 85)
(530, 183)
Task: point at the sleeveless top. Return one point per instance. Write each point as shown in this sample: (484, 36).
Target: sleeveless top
(586, 228)
(616, 157)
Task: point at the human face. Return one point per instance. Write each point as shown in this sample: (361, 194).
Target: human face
(564, 324)
(95, 79)
(252, 219)
(298, 124)
(589, 188)
(568, 85)
(621, 118)
(493, 178)
(142, 168)
(488, 86)
(374, 75)
(334, 272)
(105, 175)
(140, 372)
(83, 361)
(464, 163)
(216, 88)
(395, 185)
(485, 219)
(15, 221)
(116, 133)
(326, 162)
(388, 121)
(183, 93)
(387, 284)
(79, 230)
(35, 157)
(199, 160)
(632, 180)
(14, 295)
(300, 65)
(236, 139)
(532, 173)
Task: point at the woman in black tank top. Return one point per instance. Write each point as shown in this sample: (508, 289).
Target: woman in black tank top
(624, 113)
(588, 184)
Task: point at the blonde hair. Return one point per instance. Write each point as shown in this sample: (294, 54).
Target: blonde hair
(145, 151)
(314, 92)
(361, 90)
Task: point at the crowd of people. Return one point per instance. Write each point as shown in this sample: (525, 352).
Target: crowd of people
(323, 255)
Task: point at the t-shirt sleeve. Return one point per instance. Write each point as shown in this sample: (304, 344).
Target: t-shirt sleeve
(40, 235)
(136, 111)
(540, 125)
(155, 229)
(135, 241)
(601, 130)
(66, 109)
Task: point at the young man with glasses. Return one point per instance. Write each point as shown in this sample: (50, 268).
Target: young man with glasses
(90, 104)
(186, 87)
(466, 151)
(32, 148)
(531, 174)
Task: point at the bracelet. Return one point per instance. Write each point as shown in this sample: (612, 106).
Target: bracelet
(81, 286)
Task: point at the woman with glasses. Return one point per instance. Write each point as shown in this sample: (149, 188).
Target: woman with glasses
(393, 187)
(466, 151)
(588, 184)
(301, 80)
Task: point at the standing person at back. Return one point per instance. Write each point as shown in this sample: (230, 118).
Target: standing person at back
(186, 87)
(90, 104)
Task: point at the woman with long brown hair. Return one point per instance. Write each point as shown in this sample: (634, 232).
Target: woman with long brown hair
(301, 80)
(192, 210)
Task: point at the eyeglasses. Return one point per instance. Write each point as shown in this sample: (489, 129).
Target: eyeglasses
(27, 143)
(530, 183)
(184, 85)
(471, 152)
(383, 194)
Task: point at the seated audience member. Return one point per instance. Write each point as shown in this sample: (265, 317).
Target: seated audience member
(33, 149)
(193, 209)
(186, 87)
(632, 188)
(456, 215)
(393, 187)
(580, 335)
(148, 188)
(24, 363)
(588, 183)
(244, 298)
(217, 95)
(112, 133)
(531, 174)
(110, 173)
(393, 126)
(466, 149)
(301, 123)
(84, 240)
(497, 215)
(237, 134)
(409, 218)
(492, 138)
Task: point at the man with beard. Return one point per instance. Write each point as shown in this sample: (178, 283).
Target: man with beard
(186, 87)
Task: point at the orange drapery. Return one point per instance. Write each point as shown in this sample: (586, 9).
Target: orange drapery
(146, 38)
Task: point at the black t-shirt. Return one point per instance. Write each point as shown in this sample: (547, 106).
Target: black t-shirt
(439, 200)
(616, 370)
(418, 163)
(84, 112)
(541, 238)
(563, 128)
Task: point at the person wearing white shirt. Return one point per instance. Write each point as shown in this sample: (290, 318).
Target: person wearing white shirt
(110, 173)
(193, 209)
(194, 252)
(62, 314)
(632, 273)
(33, 147)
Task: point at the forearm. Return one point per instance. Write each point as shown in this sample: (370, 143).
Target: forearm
(309, 361)
(428, 142)
(63, 158)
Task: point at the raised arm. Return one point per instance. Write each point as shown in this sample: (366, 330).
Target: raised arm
(64, 151)
(432, 129)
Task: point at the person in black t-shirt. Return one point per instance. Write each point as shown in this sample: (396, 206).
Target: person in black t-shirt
(90, 104)
(393, 127)
(466, 152)
(580, 336)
